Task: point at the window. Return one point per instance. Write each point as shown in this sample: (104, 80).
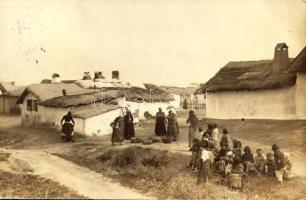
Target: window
(32, 105)
(29, 105)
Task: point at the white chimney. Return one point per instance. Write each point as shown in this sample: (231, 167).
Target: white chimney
(56, 78)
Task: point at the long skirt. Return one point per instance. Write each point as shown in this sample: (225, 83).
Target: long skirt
(116, 135)
(191, 136)
(121, 125)
(129, 131)
(172, 131)
(160, 127)
(67, 130)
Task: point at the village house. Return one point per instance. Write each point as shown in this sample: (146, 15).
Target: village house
(9, 94)
(265, 89)
(93, 105)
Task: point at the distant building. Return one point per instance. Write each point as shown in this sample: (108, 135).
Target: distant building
(9, 94)
(266, 89)
(93, 105)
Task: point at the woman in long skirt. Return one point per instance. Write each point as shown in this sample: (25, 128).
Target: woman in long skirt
(160, 126)
(129, 130)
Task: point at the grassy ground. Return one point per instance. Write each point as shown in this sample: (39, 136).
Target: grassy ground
(164, 175)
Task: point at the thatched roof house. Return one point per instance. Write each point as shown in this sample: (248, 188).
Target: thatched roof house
(93, 107)
(9, 94)
(252, 85)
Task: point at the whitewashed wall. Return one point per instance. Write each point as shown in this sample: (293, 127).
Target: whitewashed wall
(300, 96)
(152, 108)
(29, 117)
(258, 104)
(100, 124)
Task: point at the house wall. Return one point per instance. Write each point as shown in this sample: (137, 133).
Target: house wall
(100, 124)
(29, 117)
(8, 105)
(258, 104)
(141, 108)
(300, 96)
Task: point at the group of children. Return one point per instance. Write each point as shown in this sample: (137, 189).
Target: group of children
(226, 161)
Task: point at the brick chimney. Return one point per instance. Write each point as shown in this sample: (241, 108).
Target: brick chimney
(281, 58)
(86, 76)
(115, 75)
(98, 75)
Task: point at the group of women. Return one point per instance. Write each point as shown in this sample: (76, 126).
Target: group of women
(166, 126)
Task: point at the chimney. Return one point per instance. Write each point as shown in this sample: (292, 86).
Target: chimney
(64, 92)
(86, 76)
(115, 75)
(55, 78)
(98, 75)
(281, 58)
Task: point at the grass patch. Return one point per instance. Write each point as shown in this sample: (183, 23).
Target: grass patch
(29, 186)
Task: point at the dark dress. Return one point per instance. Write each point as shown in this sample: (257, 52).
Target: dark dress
(173, 128)
(129, 131)
(67, 127)
(121, 125)
(116, 136)
(160, 126)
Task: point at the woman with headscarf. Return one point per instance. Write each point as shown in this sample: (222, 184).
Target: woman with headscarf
(129, 130)
(173, 128)
(67, 123)
(193, 126)
(160, 126)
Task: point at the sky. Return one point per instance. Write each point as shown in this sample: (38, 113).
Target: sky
(166, 42)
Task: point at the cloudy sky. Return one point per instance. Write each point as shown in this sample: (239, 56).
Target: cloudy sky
(158, 41)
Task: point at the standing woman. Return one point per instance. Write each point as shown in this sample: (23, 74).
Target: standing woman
(121, 125)
(173, 128)
(193, 126)
(67, 123)
(129, 131)
(160, 126)
(116, 136)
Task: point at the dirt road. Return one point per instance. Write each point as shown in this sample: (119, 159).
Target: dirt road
(80, 179)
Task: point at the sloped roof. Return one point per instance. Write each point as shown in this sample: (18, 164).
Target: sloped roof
(88, 111)
(299, 63)
(10, 89)
(131, 94)
(281, 46)
(249, 75)
(47, 91)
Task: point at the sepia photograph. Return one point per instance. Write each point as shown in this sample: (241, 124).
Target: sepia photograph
(153, 99)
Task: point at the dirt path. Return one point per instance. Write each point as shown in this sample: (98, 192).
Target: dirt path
(82, 180)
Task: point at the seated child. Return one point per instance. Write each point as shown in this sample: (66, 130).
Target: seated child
(248, 160)
(237, 166)
(270, 165)
(288, 169)
(195, 153)
(221, 160)
(259, 161)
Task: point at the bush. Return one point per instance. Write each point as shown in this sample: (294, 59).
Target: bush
(126, 157)
(148, 115)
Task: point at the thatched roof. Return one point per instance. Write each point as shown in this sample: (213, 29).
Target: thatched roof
(179, 90)
(47, 91)
(88, 111)
(249, 75)
(107, 96)
(299, 63)
(10, 89)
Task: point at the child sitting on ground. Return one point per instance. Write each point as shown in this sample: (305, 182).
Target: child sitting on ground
(288, 170)
(195, 153)
(259, 161)
(270, 165)
(248, 160)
